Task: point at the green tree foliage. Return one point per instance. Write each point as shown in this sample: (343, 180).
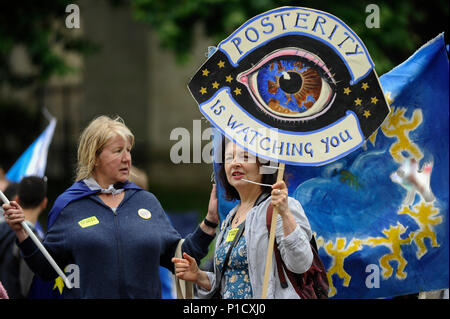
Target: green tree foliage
(39, 28)
(404, 25)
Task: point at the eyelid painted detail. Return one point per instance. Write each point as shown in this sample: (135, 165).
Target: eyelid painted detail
(243, 77)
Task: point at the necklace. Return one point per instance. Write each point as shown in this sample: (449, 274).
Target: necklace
(236, 220)
(239, 217)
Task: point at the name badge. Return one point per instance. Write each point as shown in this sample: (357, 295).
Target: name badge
(88, 222)
(231, 234)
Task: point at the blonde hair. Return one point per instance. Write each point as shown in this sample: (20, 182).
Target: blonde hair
(94, 138)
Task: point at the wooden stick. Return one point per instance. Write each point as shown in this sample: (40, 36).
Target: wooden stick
(271, 239)
(41, 247)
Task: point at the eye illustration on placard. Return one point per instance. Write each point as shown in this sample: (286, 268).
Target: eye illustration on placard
(290, 83)
(294, 85)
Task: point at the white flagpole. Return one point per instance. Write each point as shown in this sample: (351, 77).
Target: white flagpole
(41, 247)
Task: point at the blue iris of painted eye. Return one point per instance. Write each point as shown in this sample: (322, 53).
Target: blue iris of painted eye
(290, 84)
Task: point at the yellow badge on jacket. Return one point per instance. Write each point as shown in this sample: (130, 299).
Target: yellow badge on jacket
(88, 222)
(144, 213)
(231, 234)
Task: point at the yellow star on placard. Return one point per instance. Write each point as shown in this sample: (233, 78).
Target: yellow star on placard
(215, 85)
(59, 283)
(358, 101)
(347, 91)
(221, 64)
(365, 86)
(374, 100)
(367, 114)
(205, 72)
(202, 90)
(228, 79)
(237, 91)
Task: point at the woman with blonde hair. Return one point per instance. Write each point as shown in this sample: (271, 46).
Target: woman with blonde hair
(116, 233)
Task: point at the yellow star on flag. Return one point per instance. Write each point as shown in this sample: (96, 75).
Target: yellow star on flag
(221, 64)
(374, 100)
(215, 85)
(365, 86)
(358, 101)
(228, 79)
(367, 114)
(347, 91)
(59, 283)
(237, 91)
(205, 72)
(202, 90)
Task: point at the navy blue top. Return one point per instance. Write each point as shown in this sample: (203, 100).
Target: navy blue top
(119, 256)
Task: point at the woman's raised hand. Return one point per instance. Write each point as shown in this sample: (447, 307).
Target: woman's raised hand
(280, 197)
(14, 216)
(213, 214)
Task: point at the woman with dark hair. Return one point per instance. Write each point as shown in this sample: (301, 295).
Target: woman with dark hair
(241, 245)
(268, 175)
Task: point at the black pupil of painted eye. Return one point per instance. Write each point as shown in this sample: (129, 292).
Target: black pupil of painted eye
(291, 82)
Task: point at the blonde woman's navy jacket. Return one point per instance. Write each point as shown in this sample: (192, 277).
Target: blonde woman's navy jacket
(118, 254)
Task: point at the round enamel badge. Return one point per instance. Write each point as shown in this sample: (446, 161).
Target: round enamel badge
(144, 213)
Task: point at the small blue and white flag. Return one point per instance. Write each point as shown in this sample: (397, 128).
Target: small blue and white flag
(34, 160)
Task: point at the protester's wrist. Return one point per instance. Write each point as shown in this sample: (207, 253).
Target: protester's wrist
(203, 280)
(21, 235)
(211, 231)
(210, 223)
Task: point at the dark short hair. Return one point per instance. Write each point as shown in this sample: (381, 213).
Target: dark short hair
(11, 190)
(32, 191)
(230, 192)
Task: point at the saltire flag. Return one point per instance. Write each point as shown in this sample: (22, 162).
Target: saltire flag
(380, 214)
(34, 160)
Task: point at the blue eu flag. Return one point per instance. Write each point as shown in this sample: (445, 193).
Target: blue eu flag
(381, 213)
